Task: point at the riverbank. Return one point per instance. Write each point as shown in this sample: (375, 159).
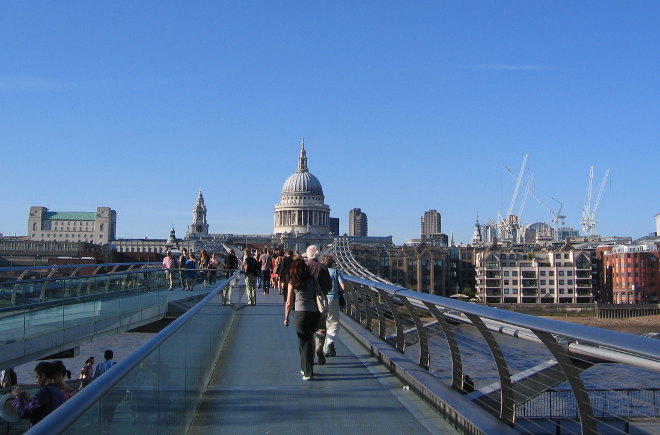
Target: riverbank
(631, 325)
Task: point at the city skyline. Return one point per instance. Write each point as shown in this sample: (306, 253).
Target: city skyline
(403, 108)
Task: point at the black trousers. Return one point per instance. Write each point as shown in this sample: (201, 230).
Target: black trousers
(306, 323)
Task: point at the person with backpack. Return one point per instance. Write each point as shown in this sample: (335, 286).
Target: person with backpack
(252, 270)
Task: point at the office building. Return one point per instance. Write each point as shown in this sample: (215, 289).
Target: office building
(357, 223)
(97, 227)
(431, 223)
(334, 226)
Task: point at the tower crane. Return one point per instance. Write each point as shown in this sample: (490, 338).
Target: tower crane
(557, 217)
(589, 212)
(515, 191)
(509, 224)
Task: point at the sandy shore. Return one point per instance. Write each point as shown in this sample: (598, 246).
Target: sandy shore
(632, 325)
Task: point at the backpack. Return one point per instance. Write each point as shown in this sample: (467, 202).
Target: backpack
(252, 266)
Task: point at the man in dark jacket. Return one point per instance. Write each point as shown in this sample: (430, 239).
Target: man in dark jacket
(252, 268)
(320, 272)
(231, 264)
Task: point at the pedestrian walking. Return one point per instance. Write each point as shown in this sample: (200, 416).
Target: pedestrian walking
(231, 264)
(301, 292)
(332, 320)
(320, 273)
(251, 267)
(105, 365)
(266, 261)
(87, 372)
(182, 267)
(169, 264)
(204, 261)
(213, 268)
(191, 272)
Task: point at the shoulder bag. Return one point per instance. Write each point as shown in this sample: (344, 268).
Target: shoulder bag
(321, 299)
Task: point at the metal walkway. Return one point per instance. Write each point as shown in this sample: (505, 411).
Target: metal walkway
(257, 388)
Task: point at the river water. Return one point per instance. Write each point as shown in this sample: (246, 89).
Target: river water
(522, 355)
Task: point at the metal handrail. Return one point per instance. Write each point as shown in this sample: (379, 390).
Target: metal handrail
(72, 266)
(64, 416)
(632, 344)
(564, 341)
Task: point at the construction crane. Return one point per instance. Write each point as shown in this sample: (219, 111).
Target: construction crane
(528, 188)
(557, 217)
(509, 223)
(515, 191)
(589, 212)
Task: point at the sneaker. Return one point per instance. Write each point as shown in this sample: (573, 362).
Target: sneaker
(306, 378)
(321, 357)
(331, 350)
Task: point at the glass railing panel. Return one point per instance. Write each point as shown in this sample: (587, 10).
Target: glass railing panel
(158, 387)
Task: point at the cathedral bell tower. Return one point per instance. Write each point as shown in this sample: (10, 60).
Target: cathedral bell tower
(199, 227)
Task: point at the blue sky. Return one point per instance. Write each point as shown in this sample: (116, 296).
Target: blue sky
(404, 107)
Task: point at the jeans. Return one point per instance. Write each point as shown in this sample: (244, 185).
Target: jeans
(265, 280)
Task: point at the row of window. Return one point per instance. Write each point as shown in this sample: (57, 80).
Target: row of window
(550, 291)
(66, 237)
(86, 223)
(542, 273)
(623, 265)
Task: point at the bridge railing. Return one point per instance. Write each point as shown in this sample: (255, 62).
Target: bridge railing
(46, 309)
(502, 360)
(37, 286)
(157, 388)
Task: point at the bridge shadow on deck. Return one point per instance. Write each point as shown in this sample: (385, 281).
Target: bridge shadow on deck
(257, 388)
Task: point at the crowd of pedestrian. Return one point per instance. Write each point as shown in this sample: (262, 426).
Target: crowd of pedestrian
(192, 269)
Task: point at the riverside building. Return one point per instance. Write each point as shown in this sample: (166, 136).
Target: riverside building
(511, 275)
(631, 273)
(97, 227)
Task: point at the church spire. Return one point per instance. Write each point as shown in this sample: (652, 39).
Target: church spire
(199, 226)
(302, 160)
(200, 199)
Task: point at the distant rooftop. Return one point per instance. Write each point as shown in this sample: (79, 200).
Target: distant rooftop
(69, 216)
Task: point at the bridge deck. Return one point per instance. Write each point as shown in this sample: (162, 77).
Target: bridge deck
(257, 387)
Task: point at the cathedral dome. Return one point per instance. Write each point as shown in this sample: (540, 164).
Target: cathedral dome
(302, 208)
(302, 182)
